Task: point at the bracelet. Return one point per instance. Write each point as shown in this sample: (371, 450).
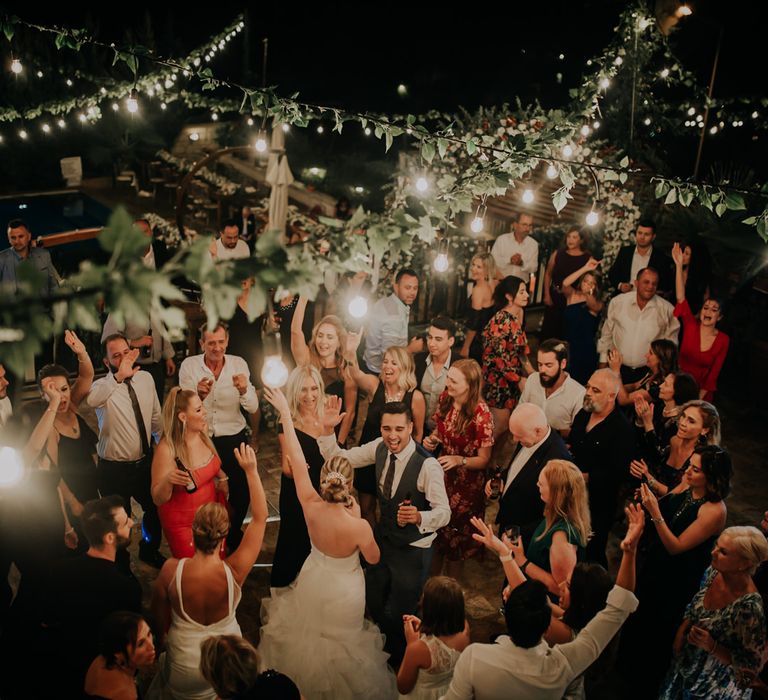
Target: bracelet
(658, 520)
(651, 482)
(506, 557)
(222, 478)
(525, 566)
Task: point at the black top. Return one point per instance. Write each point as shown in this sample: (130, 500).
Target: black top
(245, 341)
(621, 269)
(271, 685)
(477, 320)
(293, 545)
(76, 462)
(372, 427)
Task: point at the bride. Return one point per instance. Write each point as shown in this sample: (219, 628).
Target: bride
(314, 630)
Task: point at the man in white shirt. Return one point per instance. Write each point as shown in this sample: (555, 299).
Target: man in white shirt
(388, 324)
(516, 253)
(224, 386)
(552, 388)
(413, 505)
(634, 320)
(128, 412)
(521, 665)
(229, 245)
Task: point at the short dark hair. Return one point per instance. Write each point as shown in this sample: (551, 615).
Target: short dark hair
(686, 388)
(109, 339)
(98, 518)
(442, 607)
(717, 467)
(17, 223)
(509, 285)
(118, 632)
(558, 347)
(590, 585)
(444, 323)
(406, 271)
(646, 222)
(229, 223)
(647, 269)
(204, 329)
(50, 371)
(527, 613)
(397, 408)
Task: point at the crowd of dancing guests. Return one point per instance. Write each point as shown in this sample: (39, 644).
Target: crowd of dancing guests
(600, 451)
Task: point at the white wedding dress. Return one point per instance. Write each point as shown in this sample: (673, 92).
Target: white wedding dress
(314, 632)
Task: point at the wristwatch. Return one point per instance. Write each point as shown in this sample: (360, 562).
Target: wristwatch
(463, 461)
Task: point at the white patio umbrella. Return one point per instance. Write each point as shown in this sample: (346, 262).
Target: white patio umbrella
(280, 178)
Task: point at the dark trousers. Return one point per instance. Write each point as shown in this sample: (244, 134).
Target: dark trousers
(238, 485)
(157, 370)
(393, 589)
(128, 479)
(630, 375)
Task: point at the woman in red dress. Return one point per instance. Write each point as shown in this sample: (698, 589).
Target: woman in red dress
(703, 350)
(186, 471)
(464, 428)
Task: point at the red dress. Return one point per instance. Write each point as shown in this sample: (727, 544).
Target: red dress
(465, 487)
(505, 346)
(177, 513)
(704, 366)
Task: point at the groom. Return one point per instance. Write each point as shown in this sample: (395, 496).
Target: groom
(413, 505)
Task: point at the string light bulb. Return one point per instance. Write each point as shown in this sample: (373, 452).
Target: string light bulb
(528, 196)
(46, 129)
(115, 107)
(358, 306)
(422, 184)
(261, 143)
(441, 262)
(320, 129)
(214, 117)
(595, 124)
(551, 172)
(274, 373)
(69, 82)
(478, 223)
(567, 150)
(61, 123)
(23, 134)
(16, 66)
(250, 121)
(132, 103)
(592, 218)
(11, 467)
(684, 11)
(286, 128)
(605, 83)
(194, 136)
(39, 74)
(665, 73)
(618, 61)
(585, 130)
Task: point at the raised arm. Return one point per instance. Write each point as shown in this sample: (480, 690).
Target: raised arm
(367, 382)
(299, 346)
(419, 408)
(677, 256)
(241, 561)
(569, 281)
(636, 519)
(350, 399)
(85, 372)
(39, 437)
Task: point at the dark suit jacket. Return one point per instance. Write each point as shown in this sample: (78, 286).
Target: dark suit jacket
(521, 504)
(621, 269)
(420, 361)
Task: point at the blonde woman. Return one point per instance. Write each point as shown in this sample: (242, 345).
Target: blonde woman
(397, 382)
(304, 393)
(326, 352)
(482, 272)
(186, 469)
(561, 538)
(315, 631)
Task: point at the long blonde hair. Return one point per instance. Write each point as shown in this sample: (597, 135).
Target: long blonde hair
(294, 386)
(488, 263)
(567, 498)
(174, 430)
(406, 380)
(341, 334)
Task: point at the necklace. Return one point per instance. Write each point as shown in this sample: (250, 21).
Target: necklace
(389, 398)
(688, 501)
(74, 428)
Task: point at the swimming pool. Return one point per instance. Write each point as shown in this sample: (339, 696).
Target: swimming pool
(55, 212)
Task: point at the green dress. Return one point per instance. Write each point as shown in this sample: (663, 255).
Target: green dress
(538, 549)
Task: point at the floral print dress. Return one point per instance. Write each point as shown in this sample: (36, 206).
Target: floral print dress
(465, 487)
(504, 349)
(739, 628)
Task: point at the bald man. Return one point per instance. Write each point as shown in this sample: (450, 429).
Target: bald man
(602, 442)
(537, 443)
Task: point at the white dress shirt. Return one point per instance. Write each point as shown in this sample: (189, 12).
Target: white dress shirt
(503, 671)
(240, 250)
(630, 329)
(561, 406)
(506, 246)
(521, 459)
(224, 401)
(6, 410)
(432, 386)
(639, 262)
(119, 439)
(388, 326)
(431, 481)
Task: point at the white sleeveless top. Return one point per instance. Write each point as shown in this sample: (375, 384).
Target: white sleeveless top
(432, 683)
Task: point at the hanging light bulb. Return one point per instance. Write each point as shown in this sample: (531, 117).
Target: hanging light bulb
(46, 129)
(214, 117)
(39, 74)
(592, 218)
(286, 128)
(320, 129)
(605, 83)
(367, 131)
(422, 184)
(168, 83)
(261, 142)
(528, 196)
(358, 306)
(250, 121)
(595, 124)
(69, 83)
(551, 172)
(477, 225)
(665, 73)
(61, 123)
(23, 134)
(11, 467)
(274, 374)
(115, 106)
(82, 118)
(684, 11)
(567, 150)
(647, 121)
(132, 103)
(441, 262)
(163, 106)
(618, 61)
(16, 66)
(194, 136)
(585, 130)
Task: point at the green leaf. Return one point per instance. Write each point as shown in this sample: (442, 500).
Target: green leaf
(560, 198)
(609, 175)
(671, 196)
(705, 199)
(734, 201)
(622, 178)
(8, 28)
(661, 189)
(442, 147)
(427, 151)
(721, 208)
(471, 146)
(388, 141)
(624, 162)
(685, 197)
(751, 221)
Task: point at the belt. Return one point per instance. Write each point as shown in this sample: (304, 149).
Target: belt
(132, 463)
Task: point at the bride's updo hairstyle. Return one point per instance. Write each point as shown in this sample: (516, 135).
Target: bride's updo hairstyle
(335, 478)
(210, 527)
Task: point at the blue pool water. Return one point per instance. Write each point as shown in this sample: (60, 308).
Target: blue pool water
(54, 213)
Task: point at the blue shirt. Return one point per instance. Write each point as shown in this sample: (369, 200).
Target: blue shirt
(388, 326)
(39, 257)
